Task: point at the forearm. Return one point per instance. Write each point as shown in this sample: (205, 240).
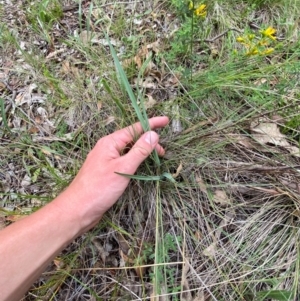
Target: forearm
(27, 246)
(34, 241)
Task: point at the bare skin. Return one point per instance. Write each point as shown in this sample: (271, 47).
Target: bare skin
(29, 245)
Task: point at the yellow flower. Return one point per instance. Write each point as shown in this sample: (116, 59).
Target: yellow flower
(251, 36)
(240, 39)
(269, 33)
(267, 51)
(252, 51)
(200, 11)
(263, 43)
(191, 5)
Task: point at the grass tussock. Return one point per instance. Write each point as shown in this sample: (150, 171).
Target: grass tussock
(223, 223)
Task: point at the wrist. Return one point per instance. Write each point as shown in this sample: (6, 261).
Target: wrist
(79, 209)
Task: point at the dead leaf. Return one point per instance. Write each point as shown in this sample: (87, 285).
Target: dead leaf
(244, 141)
(99, 105)
(2, 86)
(147, 83)
(58, 262)
(294, 150)
(201, 184)
(176, 126)
(102, 252)
(97, 13)
(221, 198)
(277, 118)
(86, 36)
(33, 130)
(104, 42)
(179, 169)
(55, 53)
(46, 151)
(260, 81)
(156, 74)
(109, 120)
(210, 251)
(65, 67)
(267, 132)
(126, 258)
(198, 235)
(296, 212)
(144, 53)
(123, 243)
(150, 103)
(214, 52)
(26, 181)
(25, 96)
(42, 112)
(200, 297)
(155, 46)
(137, 22)
(141, 56)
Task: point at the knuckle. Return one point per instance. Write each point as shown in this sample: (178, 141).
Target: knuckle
(142, 151)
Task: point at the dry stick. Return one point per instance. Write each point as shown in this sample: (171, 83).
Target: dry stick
(262, 169)
(120, 268)
(219, 36)
(231, 29)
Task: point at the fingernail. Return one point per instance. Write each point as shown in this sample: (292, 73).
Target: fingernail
(151, 138)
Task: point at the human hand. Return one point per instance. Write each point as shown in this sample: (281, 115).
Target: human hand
(97, 186)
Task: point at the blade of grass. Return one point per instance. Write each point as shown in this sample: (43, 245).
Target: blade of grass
(164, 176)
(127, 87)
(116, 100)
(141, 97)
(142, 115)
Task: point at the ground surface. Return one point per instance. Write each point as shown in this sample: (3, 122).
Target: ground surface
(227, 228)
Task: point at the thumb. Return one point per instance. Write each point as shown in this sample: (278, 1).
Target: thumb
(141, 150)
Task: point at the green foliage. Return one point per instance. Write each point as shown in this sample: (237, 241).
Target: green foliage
(52, 80)
(42, 14)
(280, 295)
(190, 31)
(262, 3)
(166, 274)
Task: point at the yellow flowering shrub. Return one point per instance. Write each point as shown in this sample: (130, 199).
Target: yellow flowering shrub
(255, 44)
(269, 33)
(199, 10)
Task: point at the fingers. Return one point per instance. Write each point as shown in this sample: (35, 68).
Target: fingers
(160, 150)
(127, 135)
(141, 150)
